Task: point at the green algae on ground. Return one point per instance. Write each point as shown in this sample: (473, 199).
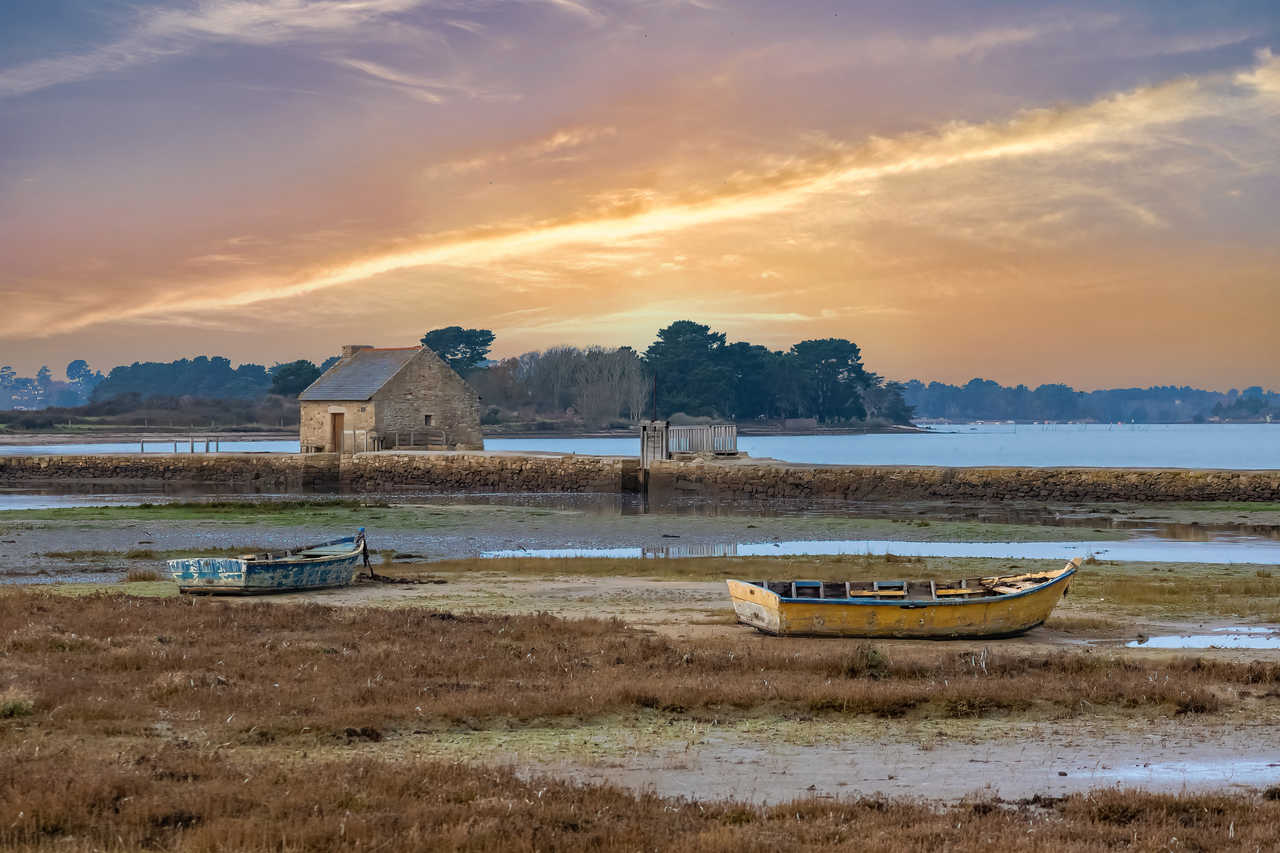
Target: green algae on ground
(485, 519)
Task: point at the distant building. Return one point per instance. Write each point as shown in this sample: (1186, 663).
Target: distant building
(376, 398)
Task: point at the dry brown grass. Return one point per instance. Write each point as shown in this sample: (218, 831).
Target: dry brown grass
(1100, 589)
(1226, 593)
(258, 672)
(185, 724)
(191, 800)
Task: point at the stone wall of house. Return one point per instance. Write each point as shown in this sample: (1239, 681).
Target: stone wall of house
(314, 424)
(428, 386)
(751, 480)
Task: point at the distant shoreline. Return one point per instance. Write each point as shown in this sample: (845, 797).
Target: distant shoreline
(132, 436)
(748, 431)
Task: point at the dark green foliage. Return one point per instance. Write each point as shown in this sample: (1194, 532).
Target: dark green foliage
(832, 379)
(982, 399)
(692, 374)
(697, 372)
(196, 377)
(462, 349)
(291, 379)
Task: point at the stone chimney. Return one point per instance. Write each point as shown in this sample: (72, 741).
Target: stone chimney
(349, 350)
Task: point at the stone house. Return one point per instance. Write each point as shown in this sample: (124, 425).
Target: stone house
(376, 398)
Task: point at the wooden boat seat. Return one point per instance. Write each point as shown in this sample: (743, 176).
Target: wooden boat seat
(920, 590)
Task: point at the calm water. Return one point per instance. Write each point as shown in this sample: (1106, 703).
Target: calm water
(1137, 550)
(1238, 446)
(151, 447)
(1238, 637)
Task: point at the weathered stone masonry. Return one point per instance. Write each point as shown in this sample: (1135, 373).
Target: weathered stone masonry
(754, 480)
(478, 471)
(427, 472)
(256, 471)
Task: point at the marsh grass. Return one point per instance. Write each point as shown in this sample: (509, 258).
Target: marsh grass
(16, 703)
(201, 725)
(187, 799)
(1101, 591)
(248, 672)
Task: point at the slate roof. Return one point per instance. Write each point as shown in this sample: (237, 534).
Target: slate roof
(360, 376)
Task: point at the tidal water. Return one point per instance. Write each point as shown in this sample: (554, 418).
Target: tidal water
(1236, 637)
(149, 448)
(1233, 446)
(1137, 550)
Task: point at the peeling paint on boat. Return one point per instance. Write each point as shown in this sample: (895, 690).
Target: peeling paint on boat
(247, 575)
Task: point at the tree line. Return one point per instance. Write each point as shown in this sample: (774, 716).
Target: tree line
(689, 369)
(983, 399)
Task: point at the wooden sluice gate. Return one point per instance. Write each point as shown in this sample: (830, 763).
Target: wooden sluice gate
(659, 440)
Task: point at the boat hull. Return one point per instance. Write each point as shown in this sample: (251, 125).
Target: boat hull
(231, 576)
(1003, 616)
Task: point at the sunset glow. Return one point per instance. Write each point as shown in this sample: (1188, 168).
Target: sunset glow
(1019, 193)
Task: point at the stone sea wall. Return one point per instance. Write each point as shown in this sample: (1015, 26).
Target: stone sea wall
(745, 479)
(252, 471)
(427, 472)
(463, 472)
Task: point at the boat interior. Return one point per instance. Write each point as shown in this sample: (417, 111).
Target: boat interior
(912, 590)
(328, 549)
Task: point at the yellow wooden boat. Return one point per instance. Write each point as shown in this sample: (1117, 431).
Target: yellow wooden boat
(975, 607)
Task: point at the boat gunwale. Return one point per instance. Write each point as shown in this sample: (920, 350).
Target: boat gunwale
(918, 603)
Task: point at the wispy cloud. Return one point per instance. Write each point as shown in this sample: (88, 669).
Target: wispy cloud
(561, 140)
(419, 87)
(1117, 129)
(169, 32)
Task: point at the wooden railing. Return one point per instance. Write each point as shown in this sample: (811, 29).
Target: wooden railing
(365, 441)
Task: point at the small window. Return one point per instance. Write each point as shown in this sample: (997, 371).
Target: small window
(426, 419)
(362, 408)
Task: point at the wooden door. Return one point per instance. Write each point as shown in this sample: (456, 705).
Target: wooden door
(336, 422)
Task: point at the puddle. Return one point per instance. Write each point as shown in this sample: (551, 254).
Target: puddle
(1196, 774)
(1220, 638)
(1053, 763)
(1144, 551)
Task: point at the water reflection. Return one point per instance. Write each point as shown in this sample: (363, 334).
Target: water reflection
(622, 504)
(1141, 551)
(1238, 637)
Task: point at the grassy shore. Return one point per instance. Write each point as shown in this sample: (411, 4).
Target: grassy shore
(197, 724)
(171, 798)
(1106, 597)
(106, 665)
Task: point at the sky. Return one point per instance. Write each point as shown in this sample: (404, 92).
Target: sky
(1024, 191)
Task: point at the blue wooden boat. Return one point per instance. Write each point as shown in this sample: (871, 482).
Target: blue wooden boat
(328, 564)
